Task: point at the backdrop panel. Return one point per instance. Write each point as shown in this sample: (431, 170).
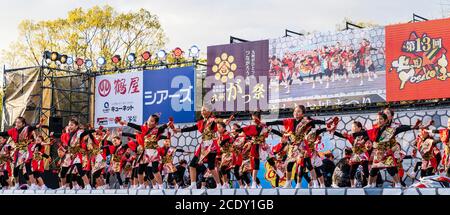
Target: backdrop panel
(328, 68)
(23, 89)
(417, 59)
(171, 93)
(134, 96)
(237, 76)
(118, 95)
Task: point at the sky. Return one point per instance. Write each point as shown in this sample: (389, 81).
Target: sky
(212, 22)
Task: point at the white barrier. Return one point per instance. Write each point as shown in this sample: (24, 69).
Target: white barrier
(328, 191)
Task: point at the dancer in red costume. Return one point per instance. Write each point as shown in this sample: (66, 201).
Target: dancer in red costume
(445, 136)
(297, 128)
(21, 136)
(359, 152)
(148, 137)
(208, 147)
(258, 131)
(74, 140)
(385, 147)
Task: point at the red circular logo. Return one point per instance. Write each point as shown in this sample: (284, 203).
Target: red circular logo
(104, 87)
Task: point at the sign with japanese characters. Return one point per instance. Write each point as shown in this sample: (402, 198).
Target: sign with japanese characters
(236, 78)
(417, 60)
(118, 96)
(327, 68)
(135, 96)
(171, 93)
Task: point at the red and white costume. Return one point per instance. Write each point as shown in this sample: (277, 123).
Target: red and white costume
(37, 160)
(148, 139)
(20, 143)
(226, 150)
(427, 149)
(167, 154)
(258, 133)
(208, 144)
(238, 145)
(76, 149)
(445, 136)
(5, 159)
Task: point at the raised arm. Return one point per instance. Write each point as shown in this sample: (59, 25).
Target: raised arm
(276, 122)
(403, 128)
(129, 135)
(361, 133)
(162, 128)
(135, 126)
(190, 128)
(86, 132)
(339, 134)
(317, 122)
(276, 132)
(4, 134)
(320, 131)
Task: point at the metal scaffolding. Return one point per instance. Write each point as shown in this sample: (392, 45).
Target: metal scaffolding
(65, 93)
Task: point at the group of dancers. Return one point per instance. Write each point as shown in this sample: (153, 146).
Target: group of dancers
(88, 158)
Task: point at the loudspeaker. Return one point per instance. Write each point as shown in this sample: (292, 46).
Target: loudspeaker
(55, 125)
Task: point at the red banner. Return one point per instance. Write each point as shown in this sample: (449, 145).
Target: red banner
(417, 60)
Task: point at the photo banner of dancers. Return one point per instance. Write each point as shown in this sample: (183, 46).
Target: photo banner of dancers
(328, 68)
(237, 76)
(417, 59)
(319, 69)
(135, 96)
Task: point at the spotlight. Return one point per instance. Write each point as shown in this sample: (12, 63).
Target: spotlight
(52, 64)
(177, 52)
(79, 62)
(88, 63)
(47, 55)
(54, 56)
(101, 61)
(63, 59)
(69, 60)
(194, 51)
(116, 59)
(146, 55)
(161, 55)
(131, 57)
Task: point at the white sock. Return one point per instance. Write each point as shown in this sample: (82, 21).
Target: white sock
(280, 173)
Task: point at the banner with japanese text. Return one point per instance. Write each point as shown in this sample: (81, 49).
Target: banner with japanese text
(170, 92)
(135, 96)
(417, 60)
(118, 96)
(236, 78)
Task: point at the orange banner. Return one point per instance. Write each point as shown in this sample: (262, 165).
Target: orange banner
(417, 60)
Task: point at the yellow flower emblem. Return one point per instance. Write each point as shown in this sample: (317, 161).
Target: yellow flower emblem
(224, 67)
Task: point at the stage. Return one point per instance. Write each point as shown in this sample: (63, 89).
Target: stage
(328, 191)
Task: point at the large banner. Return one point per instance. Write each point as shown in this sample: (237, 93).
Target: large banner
(237, 76)
(417, 60)
(171, 93)
(118, 95)
(328, 68)
(135, 96)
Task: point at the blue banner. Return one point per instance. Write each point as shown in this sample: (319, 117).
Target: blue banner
(171, 93)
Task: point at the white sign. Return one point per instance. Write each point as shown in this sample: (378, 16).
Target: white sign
(118, 96)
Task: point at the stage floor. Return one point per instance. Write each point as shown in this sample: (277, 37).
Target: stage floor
(330, 191)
